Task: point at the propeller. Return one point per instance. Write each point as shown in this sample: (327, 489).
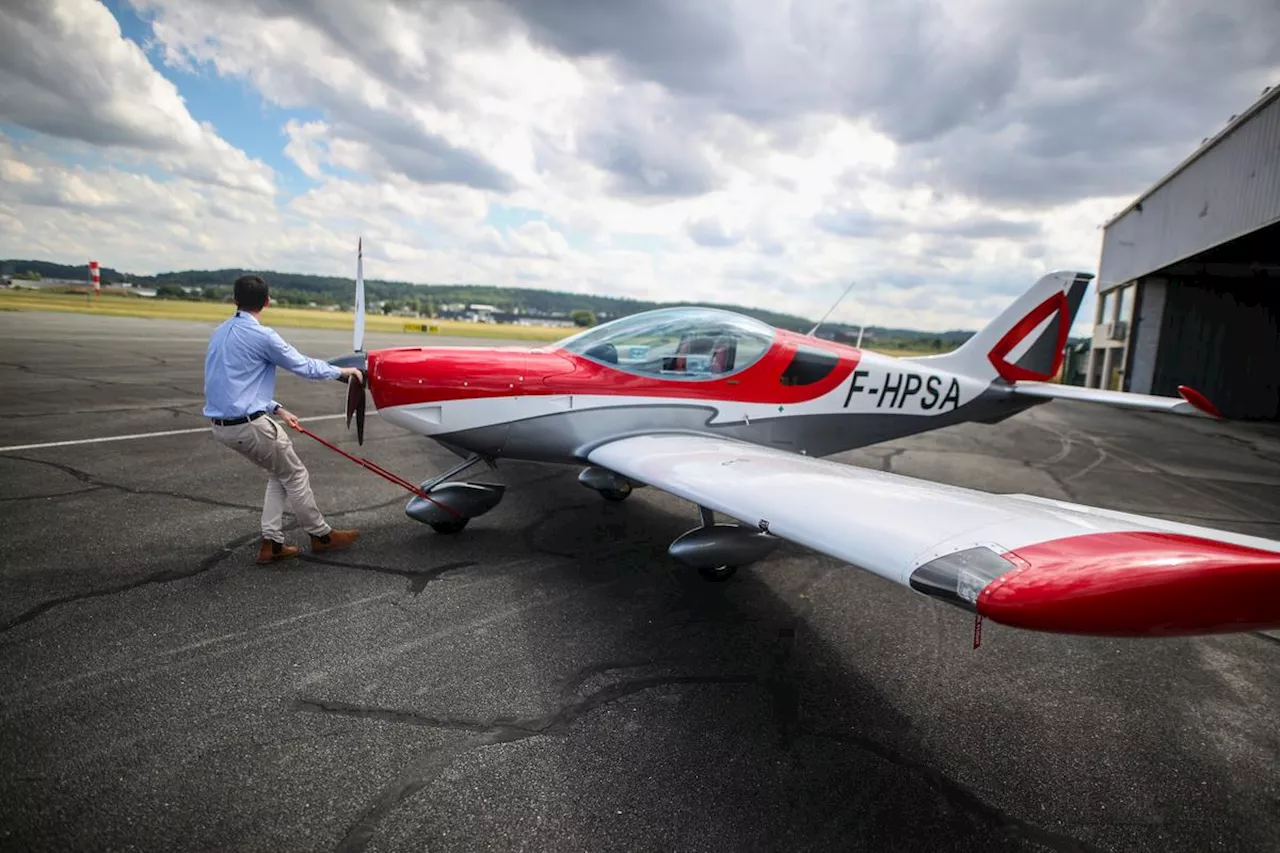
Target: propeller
(358, 358)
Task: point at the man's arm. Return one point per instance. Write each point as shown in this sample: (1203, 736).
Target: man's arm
(283, 354)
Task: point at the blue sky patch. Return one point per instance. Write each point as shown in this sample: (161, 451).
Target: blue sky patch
(240, 115)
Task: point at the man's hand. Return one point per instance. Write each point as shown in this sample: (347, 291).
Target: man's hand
(287, 416)
(352, 373)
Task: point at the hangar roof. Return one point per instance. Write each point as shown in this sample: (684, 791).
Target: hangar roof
(1229, 187)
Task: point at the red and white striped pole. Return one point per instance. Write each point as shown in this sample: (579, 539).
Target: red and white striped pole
(93, 275)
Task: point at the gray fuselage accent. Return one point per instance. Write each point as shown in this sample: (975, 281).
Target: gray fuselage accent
(567, 437)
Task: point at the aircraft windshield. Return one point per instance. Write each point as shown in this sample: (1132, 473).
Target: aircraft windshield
(676, 343)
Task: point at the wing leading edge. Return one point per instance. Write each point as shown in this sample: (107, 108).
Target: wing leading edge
(1023, 561)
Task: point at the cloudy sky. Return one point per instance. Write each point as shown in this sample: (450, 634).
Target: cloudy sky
(768, 152)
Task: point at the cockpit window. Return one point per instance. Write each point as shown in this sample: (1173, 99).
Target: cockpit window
(809, 365)
(676, 343)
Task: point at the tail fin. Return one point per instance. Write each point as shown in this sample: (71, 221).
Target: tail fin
(1028, 339)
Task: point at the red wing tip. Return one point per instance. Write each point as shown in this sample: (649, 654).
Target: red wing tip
(1200, 401)
(1137, 584)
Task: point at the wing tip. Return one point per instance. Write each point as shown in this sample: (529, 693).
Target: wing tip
(1136, 584)
(1200, 401)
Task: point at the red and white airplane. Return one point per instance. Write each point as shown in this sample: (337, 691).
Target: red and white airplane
(733, 415)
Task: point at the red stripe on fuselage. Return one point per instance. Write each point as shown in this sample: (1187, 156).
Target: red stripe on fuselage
(1136, 584)
(416, 375)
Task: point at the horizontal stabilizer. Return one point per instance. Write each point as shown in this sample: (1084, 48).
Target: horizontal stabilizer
(1191, 402)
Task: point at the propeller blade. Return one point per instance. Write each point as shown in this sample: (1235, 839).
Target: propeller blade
(357, 337)
(356, 405)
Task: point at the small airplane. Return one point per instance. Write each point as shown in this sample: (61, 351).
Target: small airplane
(734, 416)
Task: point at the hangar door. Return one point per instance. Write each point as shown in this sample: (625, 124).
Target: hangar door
(1222, 337)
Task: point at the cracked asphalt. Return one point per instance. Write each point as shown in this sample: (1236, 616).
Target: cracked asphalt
(549, 679)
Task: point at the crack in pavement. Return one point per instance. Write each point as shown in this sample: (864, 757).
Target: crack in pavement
(529, 533)
(64, 412)
(164, 576)
(69, 494)
(1268, 637)
(959, 795)
(417, 580)
(225, 551)
(86, 477)
(490, 732)
(886, 461)
(95, 383)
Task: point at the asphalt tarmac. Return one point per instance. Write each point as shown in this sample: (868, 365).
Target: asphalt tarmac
(549, 679)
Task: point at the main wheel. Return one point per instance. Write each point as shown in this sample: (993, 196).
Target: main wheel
(447, 527)
(716, 574)
(616, 495)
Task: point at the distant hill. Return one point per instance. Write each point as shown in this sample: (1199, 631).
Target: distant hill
(302, 289)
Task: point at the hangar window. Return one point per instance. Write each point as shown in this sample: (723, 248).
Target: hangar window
(676, 343)
(809, 365)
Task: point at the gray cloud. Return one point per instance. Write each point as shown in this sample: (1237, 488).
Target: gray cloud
(711, 232)
(856, 222)
(649, 149)
(66, 71)
(1031, 104)
(681, 44)
(402, 145)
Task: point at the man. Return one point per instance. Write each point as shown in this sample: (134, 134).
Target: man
(239, 383)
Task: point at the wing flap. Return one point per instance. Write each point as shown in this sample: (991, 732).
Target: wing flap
(1035, 563)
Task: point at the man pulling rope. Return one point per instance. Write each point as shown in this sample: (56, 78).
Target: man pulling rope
(239, 383)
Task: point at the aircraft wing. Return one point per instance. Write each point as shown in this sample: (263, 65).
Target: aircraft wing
(1020, 560)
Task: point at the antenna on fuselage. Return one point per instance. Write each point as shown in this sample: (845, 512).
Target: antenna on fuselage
(814, 330)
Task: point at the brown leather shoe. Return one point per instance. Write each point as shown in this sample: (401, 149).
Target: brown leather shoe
(270, 552)
(336, 540)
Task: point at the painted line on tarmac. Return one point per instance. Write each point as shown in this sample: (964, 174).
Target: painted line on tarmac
(105, 438)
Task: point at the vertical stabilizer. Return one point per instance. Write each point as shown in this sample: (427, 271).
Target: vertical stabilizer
(1027, 341)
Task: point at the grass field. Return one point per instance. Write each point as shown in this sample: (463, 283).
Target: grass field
(111, 305)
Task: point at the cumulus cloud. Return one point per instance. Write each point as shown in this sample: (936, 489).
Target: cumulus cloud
(66, 71)
(728, 151)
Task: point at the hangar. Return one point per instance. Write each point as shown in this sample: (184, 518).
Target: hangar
(1189, 278)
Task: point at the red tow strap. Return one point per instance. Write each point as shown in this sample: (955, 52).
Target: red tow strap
(380, 471)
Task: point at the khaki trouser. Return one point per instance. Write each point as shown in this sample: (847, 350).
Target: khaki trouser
(266, 444)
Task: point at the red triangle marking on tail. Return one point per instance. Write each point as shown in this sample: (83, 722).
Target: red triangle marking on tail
(1028, 324)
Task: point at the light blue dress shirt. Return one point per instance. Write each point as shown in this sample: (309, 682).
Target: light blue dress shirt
(240, 367)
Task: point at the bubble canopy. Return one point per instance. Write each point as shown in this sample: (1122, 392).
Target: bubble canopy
(676, 343)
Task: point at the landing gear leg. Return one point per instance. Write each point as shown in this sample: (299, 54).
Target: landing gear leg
(717, 551)
(610, 486)
(453, 504)
(715, 574)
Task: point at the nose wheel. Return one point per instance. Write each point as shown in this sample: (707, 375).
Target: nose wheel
(617, 495)
(448, 506)
(447, 527)
(717, 574)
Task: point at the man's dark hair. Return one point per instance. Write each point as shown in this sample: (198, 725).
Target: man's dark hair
(251, 293)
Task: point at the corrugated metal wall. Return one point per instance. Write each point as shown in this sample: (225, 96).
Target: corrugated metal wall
(1231, 189)
(1222, 338)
